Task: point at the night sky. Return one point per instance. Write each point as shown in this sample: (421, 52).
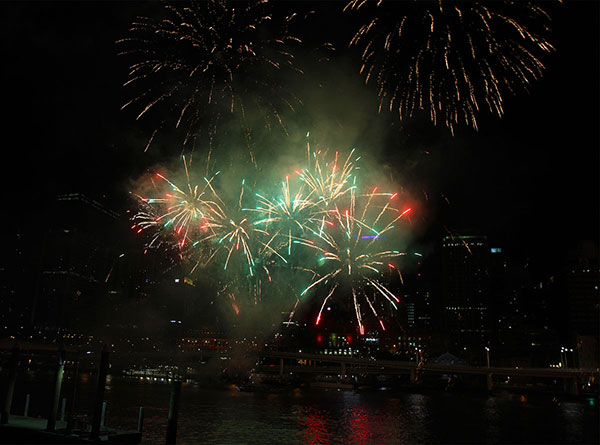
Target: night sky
(528, 180)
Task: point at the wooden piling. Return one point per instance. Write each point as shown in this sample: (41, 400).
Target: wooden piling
(489, 382)
(102, 373)
(103, 415)
(140, 426)
(63, 409)
(12, 380)
(71, 416)
(26, 409)
(173, 412)
(55, 399)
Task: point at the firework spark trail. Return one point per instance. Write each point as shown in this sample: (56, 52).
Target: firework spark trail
(450, 58)
(180, 208)
(327, 182)
(347, 256)
(289, 215)
(187, 65)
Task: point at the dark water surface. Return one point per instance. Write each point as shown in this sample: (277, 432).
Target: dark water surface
(227, 416)
(312, 416)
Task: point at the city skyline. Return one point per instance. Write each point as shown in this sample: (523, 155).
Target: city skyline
(504, 181)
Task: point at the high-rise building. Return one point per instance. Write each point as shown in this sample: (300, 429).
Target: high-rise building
(14, 283)
(418, 309)
(76, 258)
(582, 282)
(466, 291)
(506, 300)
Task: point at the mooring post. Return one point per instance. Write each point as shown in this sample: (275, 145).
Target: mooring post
(140, 420)
(490, 382)
(571, 385)
(413, 375)
(58, 378)
(71, 417)
(280, 367)
(102, 372)
(103, 415)
(26, 409)
(343, 369)
(12, 379)
(63, 409)
(173, 412)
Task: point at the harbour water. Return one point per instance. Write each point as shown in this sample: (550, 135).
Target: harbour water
(226, 415)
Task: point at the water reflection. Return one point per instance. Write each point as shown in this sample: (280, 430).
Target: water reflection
(217, 416)
(313, 426)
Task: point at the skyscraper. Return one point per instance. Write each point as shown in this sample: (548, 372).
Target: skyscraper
(582, 290)
(466, 291)
(76, 257)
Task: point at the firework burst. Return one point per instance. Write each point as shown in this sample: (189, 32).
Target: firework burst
(179, 208)
(249, 239)
(209, 59)
(326, 179)
(353, 258)
(450, 58)
(288, 214)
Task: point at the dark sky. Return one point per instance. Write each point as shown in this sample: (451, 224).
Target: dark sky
(529, 180)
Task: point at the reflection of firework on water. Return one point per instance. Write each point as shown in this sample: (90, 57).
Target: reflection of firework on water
(451, 58)
(247, 240)
(208, 58)
(352, 255)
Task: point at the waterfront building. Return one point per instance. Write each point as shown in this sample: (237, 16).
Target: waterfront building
(204, 340)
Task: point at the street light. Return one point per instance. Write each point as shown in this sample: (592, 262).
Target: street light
(563, 355)
(487, 354)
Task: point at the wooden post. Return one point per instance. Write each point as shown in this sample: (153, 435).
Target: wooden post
(55, 399)
(571, 385)
(102, 372)
(71, 418)
(140, 420)
(12, 379)
(280, 367)
(413, 375)
(490, 382)
(103, 415)
(63, 409)
(343, 369)
(173, 412)
(26, 410)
